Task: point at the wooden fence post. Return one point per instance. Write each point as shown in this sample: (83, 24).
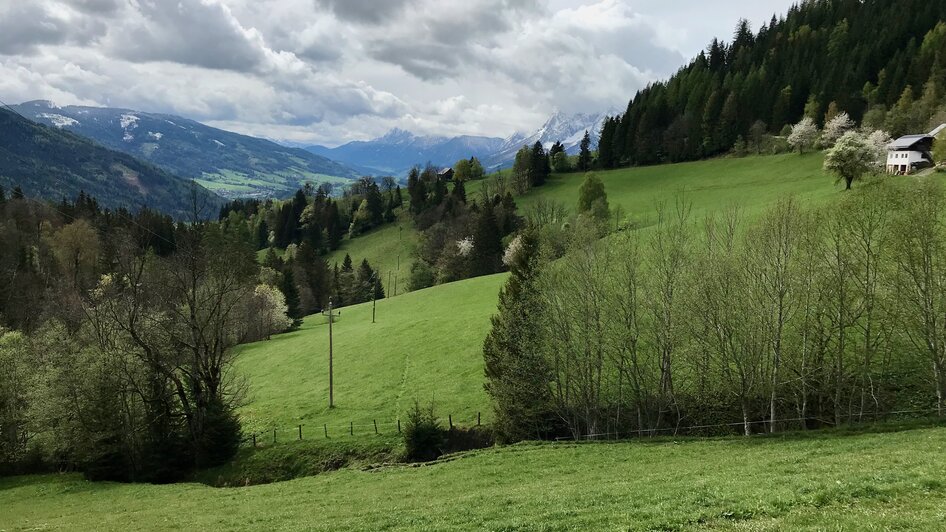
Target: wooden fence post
(351, 428)
(375, 425)
(450, 417)
(300, 432)
(325, 426)
(254, 439)
(274, 435)
(477, 419)
(398, 426)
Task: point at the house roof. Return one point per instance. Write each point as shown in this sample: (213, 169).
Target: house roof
(938, 129)
(444, 171)
(906, 142)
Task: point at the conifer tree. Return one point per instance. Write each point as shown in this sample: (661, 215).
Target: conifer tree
(487, 244)
(584, 154)
(288, 287)
(517, 377)
(540, 168)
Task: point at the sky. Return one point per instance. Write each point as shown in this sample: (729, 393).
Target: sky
(332, 71)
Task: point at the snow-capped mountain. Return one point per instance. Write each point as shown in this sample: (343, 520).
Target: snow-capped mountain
(398, 151)
(230, 163)
(560, 127)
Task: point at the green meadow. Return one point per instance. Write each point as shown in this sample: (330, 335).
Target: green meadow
(424, 345)
(824, 481)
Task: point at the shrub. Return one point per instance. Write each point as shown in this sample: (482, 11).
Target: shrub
(423, 434)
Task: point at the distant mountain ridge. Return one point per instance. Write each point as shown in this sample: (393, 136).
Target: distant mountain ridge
(229, 163)
(51, 163)
(398, 150)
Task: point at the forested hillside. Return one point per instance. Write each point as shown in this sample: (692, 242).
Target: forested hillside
(228, 163)
(881, 62)
(49, 163)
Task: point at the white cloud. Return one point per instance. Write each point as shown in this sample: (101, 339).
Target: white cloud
(335, 70)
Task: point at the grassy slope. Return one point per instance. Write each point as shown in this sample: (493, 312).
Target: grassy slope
(436, 335)
(828, 482)
(425, 344)
(382, 247)
(750, 182)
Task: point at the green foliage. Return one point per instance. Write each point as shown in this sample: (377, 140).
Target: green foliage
(592, 199)
(517, 379)
(786, 71)
(939, 148)
(560, 163)
(584, 153)
(423, 434)
(850, 158)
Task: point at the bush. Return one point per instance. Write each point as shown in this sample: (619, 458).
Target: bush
(423, 435)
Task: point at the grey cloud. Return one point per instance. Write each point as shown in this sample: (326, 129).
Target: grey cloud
(26, 25)
(438, 41)
(189, 32)
(96, 7)
(365, 11)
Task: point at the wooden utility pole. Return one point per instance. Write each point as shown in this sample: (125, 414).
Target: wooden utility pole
(374, 293)
(331, 385)
(398, 268)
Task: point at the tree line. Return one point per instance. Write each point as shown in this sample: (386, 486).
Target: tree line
(810, 63)
(796, 318)
(116, 338)
(461, 237)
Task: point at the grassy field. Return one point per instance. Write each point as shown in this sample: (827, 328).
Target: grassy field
(750, 182)
(428, 344)
(822, 482)
(424, 345)
(389, 249)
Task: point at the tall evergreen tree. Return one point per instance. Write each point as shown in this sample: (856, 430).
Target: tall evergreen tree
(517, 377)
(487, 244)
(540, 165)
(584, 154)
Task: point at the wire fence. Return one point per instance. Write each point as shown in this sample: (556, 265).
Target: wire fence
(865, 417)
(309, 431)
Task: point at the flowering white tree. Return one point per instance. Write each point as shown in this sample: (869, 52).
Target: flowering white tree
(850, 158)
(878, 141)
(465, 246)
(512, 250)
(268, 313)
(835, 128)
(803, 135)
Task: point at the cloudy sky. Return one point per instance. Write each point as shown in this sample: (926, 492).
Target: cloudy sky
(329, 71)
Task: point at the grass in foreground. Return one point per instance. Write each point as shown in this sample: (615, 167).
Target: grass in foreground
(826, 482)
(425, 345)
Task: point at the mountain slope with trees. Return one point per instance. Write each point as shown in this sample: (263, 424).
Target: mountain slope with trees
(226, 162)
(813, 62)
(50, 163)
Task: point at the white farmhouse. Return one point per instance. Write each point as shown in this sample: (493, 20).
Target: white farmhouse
(911, 152)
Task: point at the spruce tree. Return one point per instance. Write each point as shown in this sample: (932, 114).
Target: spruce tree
(487, 244)
(517, 377)
(288, 287)
(584, 155)
(540, 168)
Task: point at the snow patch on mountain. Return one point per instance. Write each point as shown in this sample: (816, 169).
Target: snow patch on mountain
(128, 121)
(58, 120)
